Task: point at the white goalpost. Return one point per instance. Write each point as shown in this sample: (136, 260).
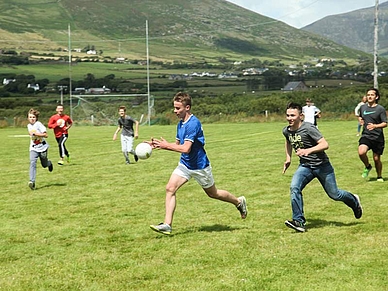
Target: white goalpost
(83, 102)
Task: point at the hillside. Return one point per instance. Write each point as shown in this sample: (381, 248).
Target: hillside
(354, 29)
(179, 30)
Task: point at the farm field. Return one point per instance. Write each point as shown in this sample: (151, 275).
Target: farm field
(86, 227)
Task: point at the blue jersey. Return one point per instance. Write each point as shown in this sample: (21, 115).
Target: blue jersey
(191, 130)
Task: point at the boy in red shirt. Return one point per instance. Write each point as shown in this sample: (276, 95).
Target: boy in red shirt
(61, 123)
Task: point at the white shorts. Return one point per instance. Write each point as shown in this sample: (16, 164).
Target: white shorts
(204, 177)
(127, 144)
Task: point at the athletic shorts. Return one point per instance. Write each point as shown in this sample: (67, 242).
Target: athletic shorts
(376, 146)
(204, 177)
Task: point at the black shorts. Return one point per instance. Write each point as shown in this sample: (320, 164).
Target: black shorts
(376, 146)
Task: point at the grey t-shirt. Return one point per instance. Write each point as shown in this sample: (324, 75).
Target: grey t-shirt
(373, 115)
(306, 136)
(126, 124)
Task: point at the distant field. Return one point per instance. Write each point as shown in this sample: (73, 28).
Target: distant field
(86, 227)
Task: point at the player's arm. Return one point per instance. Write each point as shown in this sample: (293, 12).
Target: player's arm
(52, 123)
(69, 123)
(288, 149)
(39, 134)
(116, 132)
(372, 126)
(136, 129)
(184, 148)
(321, 145)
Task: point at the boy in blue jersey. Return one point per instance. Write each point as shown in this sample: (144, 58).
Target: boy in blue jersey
(373, 118)
(194, 163)
(309, 145)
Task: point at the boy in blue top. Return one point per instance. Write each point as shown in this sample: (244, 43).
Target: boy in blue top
(194, 163)
(373, 118)
(309, 145)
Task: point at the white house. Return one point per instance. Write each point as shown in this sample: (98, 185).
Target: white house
(7, 81)
(35, 87)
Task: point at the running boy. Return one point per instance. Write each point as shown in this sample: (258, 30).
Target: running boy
(38, 145)
(194, 163)
(309, 145)
(61, 123)
(373, 118)
(126, 123)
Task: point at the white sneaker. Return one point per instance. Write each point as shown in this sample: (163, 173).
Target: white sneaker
(242, 207)
(162, 228)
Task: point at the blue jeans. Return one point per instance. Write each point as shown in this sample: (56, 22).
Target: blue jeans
(326, 176)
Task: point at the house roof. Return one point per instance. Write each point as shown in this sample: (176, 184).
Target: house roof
(293, 85)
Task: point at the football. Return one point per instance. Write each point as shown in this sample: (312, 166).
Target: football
(143, 150)
(61, 122)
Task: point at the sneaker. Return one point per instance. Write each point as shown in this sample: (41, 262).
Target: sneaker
(242, 207)
(31, 185)
(136, 158)
(366, 171)
(60, 162)
(68, 159)
(162, 228)
(50, 166)
(380, 179)
(358, 210)
(296, 225)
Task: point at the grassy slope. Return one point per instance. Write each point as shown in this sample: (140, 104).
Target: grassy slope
(86, 227)
(179, 30)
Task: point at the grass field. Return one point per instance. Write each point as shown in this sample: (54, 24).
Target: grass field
(86, 227)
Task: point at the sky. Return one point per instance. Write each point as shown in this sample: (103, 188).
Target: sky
(299, 13)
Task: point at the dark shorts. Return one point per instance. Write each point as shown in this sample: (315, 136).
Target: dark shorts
(376, 146)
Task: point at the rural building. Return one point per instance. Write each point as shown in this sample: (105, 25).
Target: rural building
(295, 86)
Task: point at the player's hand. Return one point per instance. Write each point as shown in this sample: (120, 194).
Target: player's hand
(151, 142)
(371, 126)
(285, 167)
(302, 152)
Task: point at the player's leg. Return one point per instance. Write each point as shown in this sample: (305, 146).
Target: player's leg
(130, 147)
(326, 177)
(363, 148)
(300, 179)
(64, 150)
(33, 160)
(124, 148)
(174, 183)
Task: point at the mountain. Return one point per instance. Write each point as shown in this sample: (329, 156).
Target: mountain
(178, 30)
(355, 29)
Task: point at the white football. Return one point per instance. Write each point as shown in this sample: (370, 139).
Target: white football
(143, 150)
(61, 122)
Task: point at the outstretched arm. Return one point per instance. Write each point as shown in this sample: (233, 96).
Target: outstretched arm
(288, 149)
(176, 147)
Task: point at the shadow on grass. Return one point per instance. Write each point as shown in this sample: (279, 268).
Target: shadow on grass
(317, 223)
(52, 185)
(208, 228)
(216, 227)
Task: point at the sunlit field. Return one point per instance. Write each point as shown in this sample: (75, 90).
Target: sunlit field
(86, 226)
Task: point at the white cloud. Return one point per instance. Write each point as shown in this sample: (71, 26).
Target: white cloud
(299, 13)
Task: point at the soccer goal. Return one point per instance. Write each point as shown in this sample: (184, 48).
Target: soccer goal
(103, 109)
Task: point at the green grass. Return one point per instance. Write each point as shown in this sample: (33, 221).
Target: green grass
(86, 227)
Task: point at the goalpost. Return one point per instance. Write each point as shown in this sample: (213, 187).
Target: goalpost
(82, 98)
(88, 112)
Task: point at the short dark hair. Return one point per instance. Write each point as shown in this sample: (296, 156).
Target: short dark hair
(376, 92)
(294, 105)
(122, 107)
